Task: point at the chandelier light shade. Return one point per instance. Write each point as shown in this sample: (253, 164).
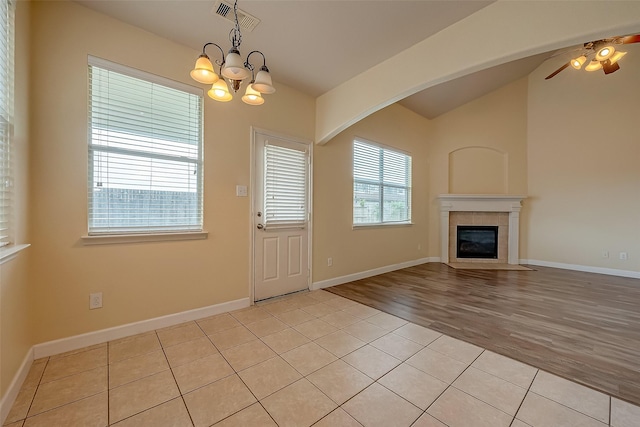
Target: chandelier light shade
(234, 70)
(220, 91)
(203, 71)
(263, 82)
(252, 96)
(234, 67)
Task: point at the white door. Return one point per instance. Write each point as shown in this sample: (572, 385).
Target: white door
(281, 212)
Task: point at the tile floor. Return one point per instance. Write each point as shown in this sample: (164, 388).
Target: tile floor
(308, 359)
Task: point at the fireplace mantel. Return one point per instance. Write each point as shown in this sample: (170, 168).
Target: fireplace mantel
(481, 203)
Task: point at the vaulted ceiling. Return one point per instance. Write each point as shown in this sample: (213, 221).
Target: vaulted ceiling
(316, 45)
(313, 46)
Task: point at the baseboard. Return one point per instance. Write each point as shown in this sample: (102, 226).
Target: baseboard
(585, 268)
(97, 337)
(16, 384)
(364, 274)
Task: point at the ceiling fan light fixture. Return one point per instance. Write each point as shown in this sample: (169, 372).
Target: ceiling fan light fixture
(617, 56)
(593, 65)
(577, 62)
(605, 53)
(203, 71)
(220, 92)
(599, 55)
(608, 67)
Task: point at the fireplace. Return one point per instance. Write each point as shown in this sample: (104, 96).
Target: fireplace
(501, 210)
(477, 241)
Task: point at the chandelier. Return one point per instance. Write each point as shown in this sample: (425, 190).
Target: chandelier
(234, 70)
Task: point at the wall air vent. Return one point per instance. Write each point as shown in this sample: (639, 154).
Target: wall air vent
(225, 9)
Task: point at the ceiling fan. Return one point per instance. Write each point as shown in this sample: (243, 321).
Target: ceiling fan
(602, 53)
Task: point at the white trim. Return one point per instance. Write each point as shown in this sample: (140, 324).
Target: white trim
(381, 225)
(94, 61)
(110, 239)
(252, 196)
(585, 268)
(481, 203)
(51, 348)
(254, 131)
(97, 337)
(364, 274)
(10, 396)
(9, 253)
(379, 145)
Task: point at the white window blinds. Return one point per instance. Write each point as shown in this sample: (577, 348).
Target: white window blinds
(381, 185)
(6, 117)
(285, 190)
(145, 152)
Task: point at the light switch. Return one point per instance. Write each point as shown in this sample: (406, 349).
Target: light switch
(241, 190)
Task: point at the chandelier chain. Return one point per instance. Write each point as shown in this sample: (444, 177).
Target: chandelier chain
(235, 36)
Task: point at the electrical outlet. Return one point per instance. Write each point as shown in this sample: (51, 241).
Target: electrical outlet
(623, 256)
(329, 262)
(605, 254)
(95, 300)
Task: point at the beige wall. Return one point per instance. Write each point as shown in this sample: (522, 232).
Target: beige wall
(144, 280)
(509, 30)
(582, 181)
(496, 122)
(357, 250)
(584, 173)
(15, 305)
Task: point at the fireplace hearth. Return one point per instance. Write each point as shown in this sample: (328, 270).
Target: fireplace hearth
(477, 241)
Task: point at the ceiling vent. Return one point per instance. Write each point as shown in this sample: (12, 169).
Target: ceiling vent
(225, 9)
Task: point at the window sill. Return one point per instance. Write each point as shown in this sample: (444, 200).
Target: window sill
(382, 225)
(110, 239)
(9, 253)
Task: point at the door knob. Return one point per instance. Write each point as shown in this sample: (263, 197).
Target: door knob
(260, 226)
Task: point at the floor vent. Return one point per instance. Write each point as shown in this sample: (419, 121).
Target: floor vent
(225, 9)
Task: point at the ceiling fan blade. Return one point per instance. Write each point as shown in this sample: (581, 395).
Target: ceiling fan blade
(557, 71)
(631, 39)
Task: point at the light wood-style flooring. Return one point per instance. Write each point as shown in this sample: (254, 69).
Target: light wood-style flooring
(581, 326)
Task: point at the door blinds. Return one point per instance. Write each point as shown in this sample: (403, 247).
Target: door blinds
(285, 191)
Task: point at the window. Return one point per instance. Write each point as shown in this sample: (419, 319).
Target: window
(381, 185)
(145, 152)
(6, 117)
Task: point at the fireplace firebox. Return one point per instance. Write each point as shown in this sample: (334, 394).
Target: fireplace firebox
(477, 241)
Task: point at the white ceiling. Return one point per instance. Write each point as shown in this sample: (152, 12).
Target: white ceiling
(315, 45)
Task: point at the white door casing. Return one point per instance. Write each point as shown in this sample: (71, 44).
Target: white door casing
(281, 212)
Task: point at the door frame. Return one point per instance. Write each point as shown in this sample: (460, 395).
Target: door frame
(252, 223)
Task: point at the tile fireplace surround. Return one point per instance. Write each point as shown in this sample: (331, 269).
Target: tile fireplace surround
(477, 204)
